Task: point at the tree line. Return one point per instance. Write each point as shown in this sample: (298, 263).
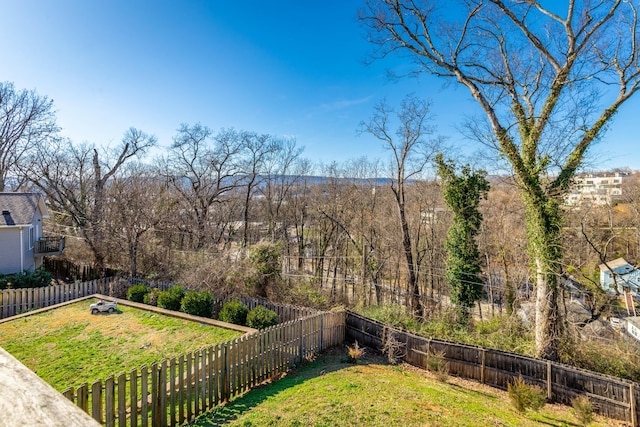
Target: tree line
(548, 82)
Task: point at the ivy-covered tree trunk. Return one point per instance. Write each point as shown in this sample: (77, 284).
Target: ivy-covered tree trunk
(463, 193)
(543, 224)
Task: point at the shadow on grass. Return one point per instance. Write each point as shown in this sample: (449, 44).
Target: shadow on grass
(223, 415)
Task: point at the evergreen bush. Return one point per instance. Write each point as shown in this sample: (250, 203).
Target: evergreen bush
(261, 318)
(197, 304)
(27, 279)
(171, 299)
(137, 293)
(234, 312)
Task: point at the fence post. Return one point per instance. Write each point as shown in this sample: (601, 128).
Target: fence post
(484, 354)
(549, 384)
(632, 404)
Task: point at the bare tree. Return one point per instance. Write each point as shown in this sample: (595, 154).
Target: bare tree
(26, 119)
(139, 201)
(410, 154)
(283, 171)
(202, 169)
(75, 179)
(547, 80)
(257, 150)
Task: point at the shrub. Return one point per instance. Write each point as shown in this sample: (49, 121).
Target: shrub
(234, 312)
(261, 317)
(354, 353)
(27, 279)
(152, 297)
(137, 293)
(118, 288)
(197, 304)
(265, 257)
(524, 396)
(437, 364)
(394, 349)
(582, 410)
(171, 299)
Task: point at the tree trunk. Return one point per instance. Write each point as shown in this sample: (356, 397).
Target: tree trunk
(414, 289)
(544, 229)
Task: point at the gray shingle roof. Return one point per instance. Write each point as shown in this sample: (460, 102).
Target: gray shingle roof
(18, 208)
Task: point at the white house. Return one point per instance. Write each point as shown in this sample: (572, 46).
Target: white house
(618, 275)
(22, 243)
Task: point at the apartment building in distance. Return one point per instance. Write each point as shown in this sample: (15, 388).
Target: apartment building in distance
(596, 188)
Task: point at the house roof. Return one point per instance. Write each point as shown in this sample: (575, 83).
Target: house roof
(19, 208)
(615, 264)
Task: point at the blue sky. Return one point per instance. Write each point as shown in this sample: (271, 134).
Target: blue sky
(288, 68)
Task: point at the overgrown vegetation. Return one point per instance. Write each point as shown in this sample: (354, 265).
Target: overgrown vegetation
(526, 397)
(509, 333)
(438, 366)
(582, 410)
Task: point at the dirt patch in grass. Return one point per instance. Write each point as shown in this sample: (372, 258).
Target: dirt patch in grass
(69, 346)
(329, 392)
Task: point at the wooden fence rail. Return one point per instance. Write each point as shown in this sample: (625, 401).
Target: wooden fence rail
(611, 397)
(175, 391)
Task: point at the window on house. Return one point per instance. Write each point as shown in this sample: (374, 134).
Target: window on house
(32, 237)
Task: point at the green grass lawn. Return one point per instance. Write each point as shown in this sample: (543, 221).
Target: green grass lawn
(69, 346)
(328, 392)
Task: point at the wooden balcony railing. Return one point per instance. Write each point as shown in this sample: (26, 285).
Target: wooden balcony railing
(50, 245)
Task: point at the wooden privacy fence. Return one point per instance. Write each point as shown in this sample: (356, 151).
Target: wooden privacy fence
(16, 301)
(175, 391)
(611, 397)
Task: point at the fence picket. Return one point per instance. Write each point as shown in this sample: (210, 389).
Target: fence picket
(96, 401)
(181, 390)
(196, 383)
(189, 382)
(109, 407)
(210, 376)
(172, 392)
(162, 394)
(155, 412)
(122, 400)
(133, 397)
(203, 379)
(144, 396)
